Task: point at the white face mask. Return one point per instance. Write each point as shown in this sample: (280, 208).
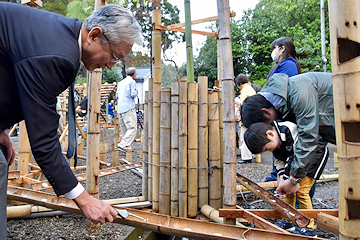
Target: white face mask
(274, 57)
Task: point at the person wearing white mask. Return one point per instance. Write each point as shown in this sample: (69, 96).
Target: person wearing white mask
(284, 55)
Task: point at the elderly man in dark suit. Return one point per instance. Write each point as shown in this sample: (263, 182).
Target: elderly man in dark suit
(40, 54)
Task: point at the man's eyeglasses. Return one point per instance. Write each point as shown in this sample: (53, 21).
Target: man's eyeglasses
(115, 59)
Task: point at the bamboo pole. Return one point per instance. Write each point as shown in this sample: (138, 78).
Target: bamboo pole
(221, 132)
(345, 63)
(183, 137)
(93, 138)
(102, 146)
(156, 71)
(145, 178)
(24, 154)
(227, 83)
(165, 157)
(150, 136)
(214, 152)
(213, 214)
(193, 146)
(115, 151)
(174, 195)
(203, 142)
(188, 38)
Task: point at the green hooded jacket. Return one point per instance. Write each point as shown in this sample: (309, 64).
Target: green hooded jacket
(307, 98)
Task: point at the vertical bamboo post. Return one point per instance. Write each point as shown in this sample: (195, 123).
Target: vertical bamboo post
(345, 63)
(107, 111)
(193, 123)
(203, 142)
(156, 70)
(188, 38)
(80, 147)
(102, 146)
(165, 146)
(24, 150)
(214, 152)
(150, 136)
(129, 156)
(115, 151)
(227, 83)
(174, 196)
(183, 137)
(145, 178)
(93, 138)
(221, 132)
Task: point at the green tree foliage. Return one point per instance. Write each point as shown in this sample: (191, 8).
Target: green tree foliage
(168, 75)
(253, 34)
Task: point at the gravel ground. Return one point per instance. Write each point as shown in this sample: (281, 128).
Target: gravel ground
(128, 184)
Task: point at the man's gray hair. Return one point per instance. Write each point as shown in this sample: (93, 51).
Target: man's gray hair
(118, 24)
(131, 71)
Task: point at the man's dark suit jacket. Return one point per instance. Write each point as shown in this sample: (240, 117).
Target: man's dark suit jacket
(39, 58)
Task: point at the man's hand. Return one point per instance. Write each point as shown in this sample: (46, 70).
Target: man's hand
(286, 187)
(94, 209)
(6, 142)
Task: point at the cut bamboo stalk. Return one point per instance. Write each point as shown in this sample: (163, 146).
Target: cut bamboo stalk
(129, 155)
(227, 86)
(93, 139)
(145, 159)
(328, 222)
(63, 134)
(150, 136)
(165, 154)
(203, 142)
(345, 62)
(183, 137)
(80, 147)
(214, 152)
(221, 134)
(213, 214)
(115, 151)
(174, 196)
(24, 150)
(258, 158)
(193, 138)
(102, 146)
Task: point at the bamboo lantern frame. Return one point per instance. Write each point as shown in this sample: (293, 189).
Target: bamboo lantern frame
(174, 195)
(345, 40)
(165, 152)
(214, 153)
(203, 142)
(227, 83)
(145, 177)
(183, 137)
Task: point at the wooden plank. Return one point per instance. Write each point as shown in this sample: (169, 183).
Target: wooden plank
(203, 20)
(260, 222)
(328, 222)
(271, 213)
(163, 28)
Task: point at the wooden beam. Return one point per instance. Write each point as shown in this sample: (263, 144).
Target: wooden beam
(203, 20)
(271, 213)
(163, 28)
(260, 222)
(328, 222)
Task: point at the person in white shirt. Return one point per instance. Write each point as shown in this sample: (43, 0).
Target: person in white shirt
(126, 94)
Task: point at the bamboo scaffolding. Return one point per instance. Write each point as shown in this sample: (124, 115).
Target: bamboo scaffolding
(174, 195)
(165, 152)
(145, 177)
(193, 143)
(345, 63)
(156, 72)
(183, 137)
(227, 84)
(150, 135)
(214, 153)
(93, 139)
(203, 142)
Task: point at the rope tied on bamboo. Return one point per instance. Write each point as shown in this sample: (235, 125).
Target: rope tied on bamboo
(210, 169)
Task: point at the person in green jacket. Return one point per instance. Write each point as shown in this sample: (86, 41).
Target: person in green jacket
(307, 100)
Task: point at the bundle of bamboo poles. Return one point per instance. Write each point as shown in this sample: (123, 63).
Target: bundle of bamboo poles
(188, 173)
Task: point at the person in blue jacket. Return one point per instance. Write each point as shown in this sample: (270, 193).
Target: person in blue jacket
(284, 55)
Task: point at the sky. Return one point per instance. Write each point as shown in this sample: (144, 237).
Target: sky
(203, 9)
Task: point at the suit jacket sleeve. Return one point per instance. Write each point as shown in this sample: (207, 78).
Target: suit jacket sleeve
(39, 81)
